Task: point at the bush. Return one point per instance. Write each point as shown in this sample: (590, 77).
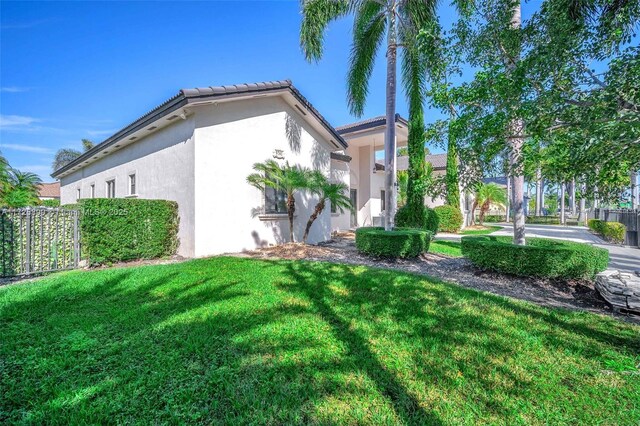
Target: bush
(420, 217)
(449, 218)
(51, 203)
(610, 231)
(119, 229)
(543, 220)
(401, 242)
(495, 218)
(541, 257)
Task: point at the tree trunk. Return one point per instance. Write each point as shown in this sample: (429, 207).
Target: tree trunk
(291, 209)
(539, 192)
(583, 214)
(563, 220)
(316, 212)
(516, 142)
(483, 211)
(573, 197)
(451, 176)
(508, 206)
(474, 206)
(390, 186)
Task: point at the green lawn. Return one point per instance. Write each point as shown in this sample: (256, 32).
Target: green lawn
(449, 248)
(489, 230)
(238, 341)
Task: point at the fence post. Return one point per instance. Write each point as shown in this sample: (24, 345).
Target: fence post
(27, 263)
(76, 241)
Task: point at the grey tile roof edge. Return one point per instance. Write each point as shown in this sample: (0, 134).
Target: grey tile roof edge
(183, 97)
(340, 157)
(369, 124)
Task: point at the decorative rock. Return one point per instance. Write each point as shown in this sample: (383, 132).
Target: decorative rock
(621, 290)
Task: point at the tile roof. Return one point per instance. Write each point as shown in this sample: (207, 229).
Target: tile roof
(49, 190)
(369, 124)
(438, 161)
(184, 96)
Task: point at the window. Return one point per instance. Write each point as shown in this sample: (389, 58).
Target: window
(78, 194)
(275, 200)
(382, 200)
(132, 184)
(93, 190)
(333, 208)
(111, 188)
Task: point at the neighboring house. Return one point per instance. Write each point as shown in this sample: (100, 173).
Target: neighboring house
(199, 146)
(49, 191)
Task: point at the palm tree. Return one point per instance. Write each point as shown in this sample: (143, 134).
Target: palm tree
(4, 176)
(400, 20)
(66, 155)
(487, 194)
(21, 189)
(289, 179)
(327, 191)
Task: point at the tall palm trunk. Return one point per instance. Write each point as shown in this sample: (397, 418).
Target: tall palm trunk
(316, 212)
(291, 209)
(539, 192)
(391, 195)
(516, 142)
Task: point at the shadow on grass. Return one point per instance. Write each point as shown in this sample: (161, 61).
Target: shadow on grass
(244, 341)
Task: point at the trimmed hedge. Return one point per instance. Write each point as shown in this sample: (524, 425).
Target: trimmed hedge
(421, 217)
(401, 242)
(543, 220)
(449, 218)
(541, 257)
(495, 218)
(610, 231)
(120, 229)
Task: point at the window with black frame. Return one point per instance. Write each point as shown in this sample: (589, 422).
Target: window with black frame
(275, 200)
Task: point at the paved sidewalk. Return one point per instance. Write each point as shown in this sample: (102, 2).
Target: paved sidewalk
(622, 258)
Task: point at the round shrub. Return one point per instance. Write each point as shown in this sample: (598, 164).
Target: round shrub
(610, 231)
(541, 257)
(419, 217)
(401, 242)
(449, 218)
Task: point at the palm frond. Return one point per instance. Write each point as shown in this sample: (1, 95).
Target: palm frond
(368, 34)
(316, 16)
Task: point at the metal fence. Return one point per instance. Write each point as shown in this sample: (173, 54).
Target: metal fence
(34, 240)
(629, 218)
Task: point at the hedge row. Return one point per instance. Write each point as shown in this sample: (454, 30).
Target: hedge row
(495, 218)
(418, 217)
(449, 218)
(540, 257)
(120, 229)
(610, 231)
(401, 242)
(543, 220)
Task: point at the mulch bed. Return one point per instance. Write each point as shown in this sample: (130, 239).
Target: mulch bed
(568, 294)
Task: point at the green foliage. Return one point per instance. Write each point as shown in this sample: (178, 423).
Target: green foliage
(403, 180)
(488, 194)
(121, 229)
(51, 203)
(399, 243)
(17, 189)
(541, 257)
(543, 220)
(610, 231)
(65, 156)
(495, 218)
(289, 179)
(449, 218)
(452, 195)
(417, 216)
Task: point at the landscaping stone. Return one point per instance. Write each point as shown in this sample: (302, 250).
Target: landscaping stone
(620, 289)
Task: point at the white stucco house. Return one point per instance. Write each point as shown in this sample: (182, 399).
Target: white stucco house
(198, 147)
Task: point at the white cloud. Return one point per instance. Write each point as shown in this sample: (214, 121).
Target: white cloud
(13, 89)
(26, 148)
(16, 121)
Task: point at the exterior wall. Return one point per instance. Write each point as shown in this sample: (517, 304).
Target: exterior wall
(340, 173)
(230, 138)
(163, 164)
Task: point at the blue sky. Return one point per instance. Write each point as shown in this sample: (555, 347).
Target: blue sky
(85, 69)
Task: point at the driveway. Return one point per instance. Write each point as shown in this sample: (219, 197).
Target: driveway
(622, 258)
